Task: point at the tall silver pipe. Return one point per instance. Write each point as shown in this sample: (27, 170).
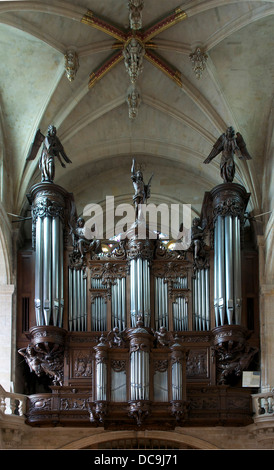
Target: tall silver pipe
(61, 273)
(229, 268)
(140, 286)
(160, 300)
(74, 283)
(47, 269)
(85, 301)
(101, 378)
(123, 303)
(207, 299)
(119, 304)
(70, 302)
(133, 289)
(38, 271)
(221, 269)
(148, 293)
(133, 376)
(216, 272)
(55, 269)
(176, 381)
(203, 314)
(145, 286)
(237, 270)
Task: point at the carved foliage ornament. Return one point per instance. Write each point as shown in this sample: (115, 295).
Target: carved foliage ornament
(47, 208)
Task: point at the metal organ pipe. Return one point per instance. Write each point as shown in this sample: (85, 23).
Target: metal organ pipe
(47, 270)
(221, 269)
(139, 375)
(237, 270)
(77, 300)
(201, 300)
(38, 271)
(55, 269)
(227, 270)
(61, 274)
(118, 304)
(216, 273)
(139, 291)
(161, 303)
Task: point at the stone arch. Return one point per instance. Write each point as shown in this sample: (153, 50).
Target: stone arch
(173, 438)
(5, 259)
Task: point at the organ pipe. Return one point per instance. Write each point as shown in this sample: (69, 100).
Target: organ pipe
(77, 300)
(229, 201)
(118, 304)
(227, 270)
(48, 204)
(38, 270)
(139, 290)
(201, 300)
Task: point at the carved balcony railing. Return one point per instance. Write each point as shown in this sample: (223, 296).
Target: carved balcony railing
(263, 404)
(12, 404)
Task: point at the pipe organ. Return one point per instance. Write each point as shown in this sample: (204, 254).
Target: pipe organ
(135, 331)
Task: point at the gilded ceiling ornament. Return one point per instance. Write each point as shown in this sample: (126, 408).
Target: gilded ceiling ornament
(135, 13)
(71, 64)
(198, 59)
(133, 101)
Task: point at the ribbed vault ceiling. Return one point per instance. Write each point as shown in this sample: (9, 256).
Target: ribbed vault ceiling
(177, 123)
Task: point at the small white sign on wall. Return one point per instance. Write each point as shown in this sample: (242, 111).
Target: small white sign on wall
(251, 379)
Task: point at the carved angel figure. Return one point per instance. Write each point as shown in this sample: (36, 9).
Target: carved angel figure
(80, 243)
(142, 190)
(228, 144)
(41, 362)
(164, 337)
(52, 148)
(197, 234)
(115, 337)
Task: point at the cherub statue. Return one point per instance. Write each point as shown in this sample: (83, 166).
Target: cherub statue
(80, 243)
(52, 148)
(228, 144)
(142, 190)
(197, 233)
(164, 337)
(115, 337)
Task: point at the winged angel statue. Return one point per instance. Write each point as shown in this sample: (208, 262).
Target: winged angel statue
(229, 144)
(52, 148)
(142, 190)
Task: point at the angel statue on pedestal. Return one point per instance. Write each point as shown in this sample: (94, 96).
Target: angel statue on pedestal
(142, 190)
(228, 144)
(52, 148)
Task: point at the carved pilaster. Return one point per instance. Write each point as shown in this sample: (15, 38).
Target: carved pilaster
(45, 352)
(232, 351)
